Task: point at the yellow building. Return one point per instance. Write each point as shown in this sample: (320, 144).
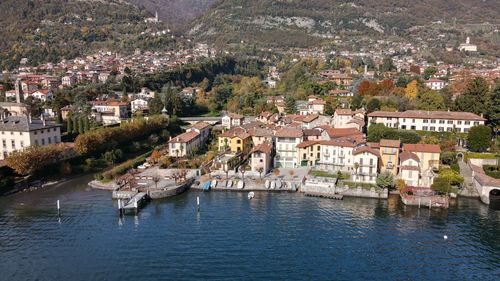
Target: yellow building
(428, 154)
(309, 153)
(389, 154)
(236, 140)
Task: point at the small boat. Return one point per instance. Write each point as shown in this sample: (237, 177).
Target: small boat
(279, 184)
(293, 187)
(267, 184)
(206, 186)
(251, 195)
(229, 184)
(213, 184)
(241, 185)
(273, 185)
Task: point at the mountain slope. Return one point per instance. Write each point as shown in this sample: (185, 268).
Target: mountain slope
(176, 13)
(49, 30)
(299, 22)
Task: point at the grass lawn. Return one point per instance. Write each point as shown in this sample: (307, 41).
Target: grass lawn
(323, 174)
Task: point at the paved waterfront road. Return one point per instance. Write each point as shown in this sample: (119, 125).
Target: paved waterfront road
(272, 237)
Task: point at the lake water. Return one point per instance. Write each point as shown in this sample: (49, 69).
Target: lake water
(272, 237)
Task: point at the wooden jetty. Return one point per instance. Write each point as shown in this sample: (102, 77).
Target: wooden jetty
(325, 195)
(135, 203)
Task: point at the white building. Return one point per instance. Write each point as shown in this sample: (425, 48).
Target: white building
(20, 132)
(432, 121)
(368, 160)
(286, 140)
(346, 118)
(139, 104)
(337, 155)
(109, 112)
(232, 120)
(435, 84)
(467, 46)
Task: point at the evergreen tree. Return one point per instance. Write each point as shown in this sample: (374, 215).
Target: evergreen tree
(69, 125)
(475, 98)
(75, 124)
(290, 106)
(86, 124)
(494, 107)
(81, 128)
(479, 138)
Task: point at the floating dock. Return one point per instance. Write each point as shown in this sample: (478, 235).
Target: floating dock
(135, 203)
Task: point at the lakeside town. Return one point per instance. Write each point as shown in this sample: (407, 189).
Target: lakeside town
(322, 127)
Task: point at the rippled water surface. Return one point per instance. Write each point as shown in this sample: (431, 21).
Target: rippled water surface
(272, 237)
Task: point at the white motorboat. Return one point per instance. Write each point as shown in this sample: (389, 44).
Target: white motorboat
(213, 184)
(241, 185)
(279, 184)
(251, 195)
(273, 185)
(267, 184)
(229, 184)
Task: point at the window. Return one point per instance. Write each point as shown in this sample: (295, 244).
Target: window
(49, 140)
(36, 132)
(433, 120)
(22, 143)
(11, 133)
(426, 121)
(449, 129)
(424, 128)
(13, 143)
(441, 121)
(403, 127)
(450, 121)
(467, 122)
(43, 141)
(413, 121)
(20, 133)
(413, 127)
(432, 128)
(238, 141)
(42, 131)
(441, 129)
(36, 142)
(459, 122)
(404, 119)
(476, 123)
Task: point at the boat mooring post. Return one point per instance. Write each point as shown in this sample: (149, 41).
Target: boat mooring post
(120, 206)
(58, 208)
(198, 202)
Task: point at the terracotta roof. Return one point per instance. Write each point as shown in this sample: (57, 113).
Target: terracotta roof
(373, 144)
(343, 142)
(405, 155)
(311, 132)
(200, 125)
(305, 144)
(434, 80)
(427, 148)
(342, 132)
(422, 114)
(309, 118)
(263, 147)
(390, 143)
(237, 132)
(340, 111)
(289, 133)
(320, 102)
(366, 149)
(185, 137)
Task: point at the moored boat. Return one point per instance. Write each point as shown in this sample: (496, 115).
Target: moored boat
(251, 195)
(213, 184)
(241, 184)
(267, 184)
(273, 185)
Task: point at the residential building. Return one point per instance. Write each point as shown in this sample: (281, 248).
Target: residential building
(429, 155)
(435, 84)
(109, 112)
(201, 128)
(346, 118)
(261, 158)
(236, 139)
(467, 46)
(409, 168)
(286, 140)
(366, 160)
(42, 94)
(232, 120)
(431, 121)
(185, 144)
(19, 132)
(309, 153)
(337, 155)
(139, 105)
(389, 155)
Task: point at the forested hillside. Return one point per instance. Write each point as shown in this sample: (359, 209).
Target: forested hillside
(49, 30)
(302, 23)
(176, 13)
